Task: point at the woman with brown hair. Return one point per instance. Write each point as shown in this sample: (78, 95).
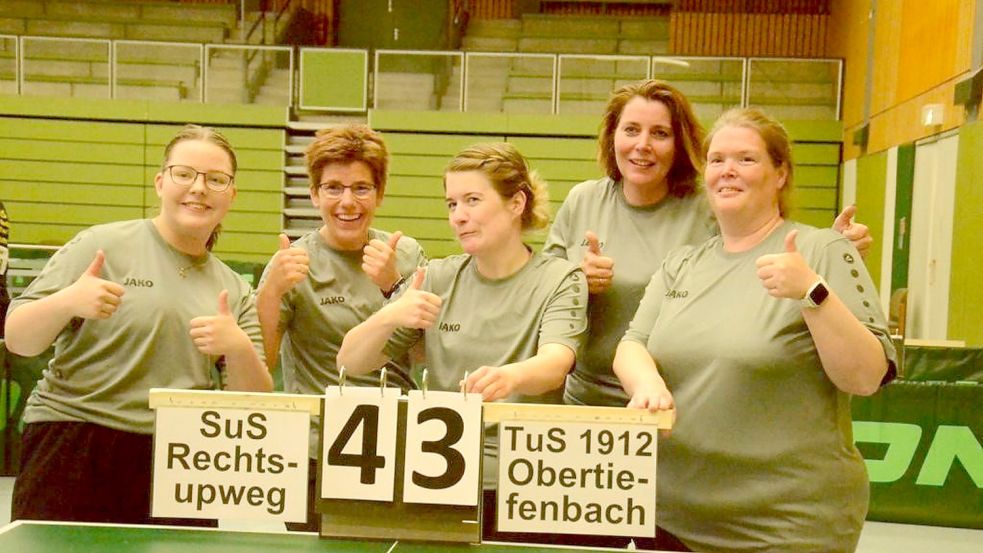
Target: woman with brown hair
(131, 306)
(334, 277)
(620, 227)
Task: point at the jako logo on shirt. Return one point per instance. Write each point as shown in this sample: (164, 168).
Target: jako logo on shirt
(450, 327)
(330, 300)
(144, 283)
(672, 294)
(584, 244)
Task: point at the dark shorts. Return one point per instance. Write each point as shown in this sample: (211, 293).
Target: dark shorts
(664, 541)
(84, 472)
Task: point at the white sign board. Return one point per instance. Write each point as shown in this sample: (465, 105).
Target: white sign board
(358, 446)
(230, 463)
(443, 448)
(577, 478)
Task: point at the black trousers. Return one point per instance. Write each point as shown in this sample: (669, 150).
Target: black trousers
(84, 472)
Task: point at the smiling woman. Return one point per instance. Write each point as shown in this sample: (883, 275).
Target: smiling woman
(620, 228)
(131, 306)
(315, 290)
(761, 332)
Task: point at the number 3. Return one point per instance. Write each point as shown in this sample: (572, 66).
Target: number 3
(455, 461)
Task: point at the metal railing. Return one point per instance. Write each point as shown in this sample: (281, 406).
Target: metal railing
(581, 83)
(145, 70)
(451, 80)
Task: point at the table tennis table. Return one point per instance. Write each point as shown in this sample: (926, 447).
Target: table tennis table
(61, 537)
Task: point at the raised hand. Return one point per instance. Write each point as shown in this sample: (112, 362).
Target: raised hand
(219, 334)
(416, 308)
(857, 233)
(379, 261)
(786, 275)
(91, 296)
(598, 268)
(288, 267)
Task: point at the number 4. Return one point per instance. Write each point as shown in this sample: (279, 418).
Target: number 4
(363, 468)
(367, 460)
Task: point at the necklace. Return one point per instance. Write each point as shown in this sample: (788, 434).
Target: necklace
(182, 271)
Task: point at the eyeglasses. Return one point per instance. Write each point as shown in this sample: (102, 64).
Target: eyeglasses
(360, 191)
(186, 176)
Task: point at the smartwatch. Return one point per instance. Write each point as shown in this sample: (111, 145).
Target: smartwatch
(816, 295)
(392, 289)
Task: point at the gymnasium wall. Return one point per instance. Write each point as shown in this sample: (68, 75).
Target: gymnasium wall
(920, 51)
(67, 164)
(965, 292)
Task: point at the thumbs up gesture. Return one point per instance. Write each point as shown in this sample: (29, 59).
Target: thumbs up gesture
(288, 267)
(598, 268)
(93, 297)
(857, 233)
(416, 308)
(219, 334)
(379, 261)
(786, 275)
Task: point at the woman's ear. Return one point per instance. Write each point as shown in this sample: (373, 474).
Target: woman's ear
(517, 203)
(782, 175)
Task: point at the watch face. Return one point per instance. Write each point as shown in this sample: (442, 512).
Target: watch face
(818, 294)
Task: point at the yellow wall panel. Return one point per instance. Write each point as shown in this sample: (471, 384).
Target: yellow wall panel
(931, 35)
(887, 55)
(902, 123)
(848, 40)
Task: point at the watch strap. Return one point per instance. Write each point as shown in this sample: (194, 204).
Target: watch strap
(392, 289)
(816, 295)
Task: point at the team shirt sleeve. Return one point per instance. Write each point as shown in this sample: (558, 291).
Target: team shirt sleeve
(839, 262)
(62, 270)
(565, 319)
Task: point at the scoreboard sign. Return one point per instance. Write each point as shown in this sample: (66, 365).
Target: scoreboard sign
(577, 478)
(400, 467)
(231, 455)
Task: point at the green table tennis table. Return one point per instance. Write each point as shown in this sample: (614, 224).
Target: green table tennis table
(59, 537)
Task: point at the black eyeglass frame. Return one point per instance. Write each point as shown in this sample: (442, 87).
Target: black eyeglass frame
(208, 183)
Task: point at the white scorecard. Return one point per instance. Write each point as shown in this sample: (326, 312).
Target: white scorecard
(443, 448)
(577, 470)
(358, 446)
(229, 455)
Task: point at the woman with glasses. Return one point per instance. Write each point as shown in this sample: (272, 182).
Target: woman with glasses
(511, 319)
(333, 278)
(131, 306)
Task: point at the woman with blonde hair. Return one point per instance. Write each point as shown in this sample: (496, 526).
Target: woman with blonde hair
(758, 337)
(512, 319)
